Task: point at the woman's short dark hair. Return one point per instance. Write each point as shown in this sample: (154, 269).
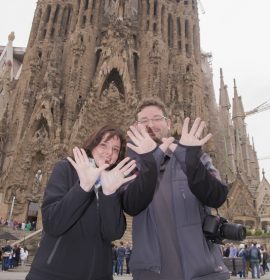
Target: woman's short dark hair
(95, 138)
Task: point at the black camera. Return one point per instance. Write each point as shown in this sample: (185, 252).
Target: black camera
(216, 229)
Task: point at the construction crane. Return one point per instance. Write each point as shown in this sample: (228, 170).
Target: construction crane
(263, 158)
(263, 107)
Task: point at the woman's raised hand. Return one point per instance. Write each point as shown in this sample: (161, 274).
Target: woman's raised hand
(87, 173)
(113, 179)
(142, 141)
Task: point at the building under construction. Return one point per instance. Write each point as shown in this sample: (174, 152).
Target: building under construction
(88, 62)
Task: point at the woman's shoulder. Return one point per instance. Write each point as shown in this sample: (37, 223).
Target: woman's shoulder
(65, 169)
(63, 164)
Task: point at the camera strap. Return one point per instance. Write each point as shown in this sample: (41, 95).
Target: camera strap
(205, 211)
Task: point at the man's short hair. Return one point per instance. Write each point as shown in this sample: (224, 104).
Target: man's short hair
(146, 102)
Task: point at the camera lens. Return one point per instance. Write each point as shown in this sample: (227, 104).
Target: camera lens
(233, 231)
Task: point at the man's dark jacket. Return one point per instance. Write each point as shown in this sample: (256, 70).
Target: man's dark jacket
(194, 186)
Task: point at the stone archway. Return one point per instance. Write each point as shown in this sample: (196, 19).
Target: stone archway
(113, 86)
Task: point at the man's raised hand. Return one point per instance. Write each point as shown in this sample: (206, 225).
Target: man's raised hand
(142, 141)
(193, 137)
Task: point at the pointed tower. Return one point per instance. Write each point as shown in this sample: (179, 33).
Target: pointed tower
(226, 129)
(241, 143)
(256, 169)
(6, 57)
(224, 101)
(6, 74)
(253, 163)
(263, 202)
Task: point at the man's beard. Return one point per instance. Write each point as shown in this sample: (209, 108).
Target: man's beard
(153, 135)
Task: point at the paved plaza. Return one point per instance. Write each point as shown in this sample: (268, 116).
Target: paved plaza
(9, 275)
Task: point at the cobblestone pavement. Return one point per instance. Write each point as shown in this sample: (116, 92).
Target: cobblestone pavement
(10, 275)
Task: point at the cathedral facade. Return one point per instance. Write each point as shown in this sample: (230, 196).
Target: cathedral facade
(90, 62)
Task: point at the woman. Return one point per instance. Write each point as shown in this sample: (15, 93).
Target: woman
(82, 211)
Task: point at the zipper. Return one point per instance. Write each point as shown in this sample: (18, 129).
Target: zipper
(54, 249)
(92, 269)
(185, 205)
(96, 192)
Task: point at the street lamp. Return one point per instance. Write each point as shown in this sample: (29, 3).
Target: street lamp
(11, 209)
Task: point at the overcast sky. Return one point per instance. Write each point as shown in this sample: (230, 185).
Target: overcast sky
(235, 31)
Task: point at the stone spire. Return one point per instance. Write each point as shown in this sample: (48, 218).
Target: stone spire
(238, 109)
(227, 129)
(224, 101)
(257, 167)
(240, 128)
(6, 58)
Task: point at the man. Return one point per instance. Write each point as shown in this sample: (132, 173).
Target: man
(7, 252)
(255, 259)
(233, 251)
(127, 256)
(121, 250)
(168, 241)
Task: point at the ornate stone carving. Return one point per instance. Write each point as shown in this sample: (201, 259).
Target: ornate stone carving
(35, 62)
(78, 45)
(16, 191)
(177, 124)
(37, 182)
(155, 52)
(189, 78)
(120, 9)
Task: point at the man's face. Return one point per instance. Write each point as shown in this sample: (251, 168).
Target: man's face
(153, 118)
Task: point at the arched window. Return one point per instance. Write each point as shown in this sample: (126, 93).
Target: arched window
(154, 27)
(114, 82)
(186, 29)
(195, 44)
(83, 21)
(48, 13)
(56, 13)
(86, 3)
(93, 5)
(78, 6)
(170, 31)
(148, 7)
(178, 27)
(155, 8)
(135, 62)
(179, 32)
(65, 21)
(162, 21)
(147, 25)
(98, 53)
(189, 68)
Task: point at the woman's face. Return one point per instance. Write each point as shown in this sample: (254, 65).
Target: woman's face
(107, 151)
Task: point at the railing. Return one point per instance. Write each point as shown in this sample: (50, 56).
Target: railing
(234, 265)
(27, 237)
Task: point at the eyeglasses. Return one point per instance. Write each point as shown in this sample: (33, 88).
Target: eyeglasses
(154, 120)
